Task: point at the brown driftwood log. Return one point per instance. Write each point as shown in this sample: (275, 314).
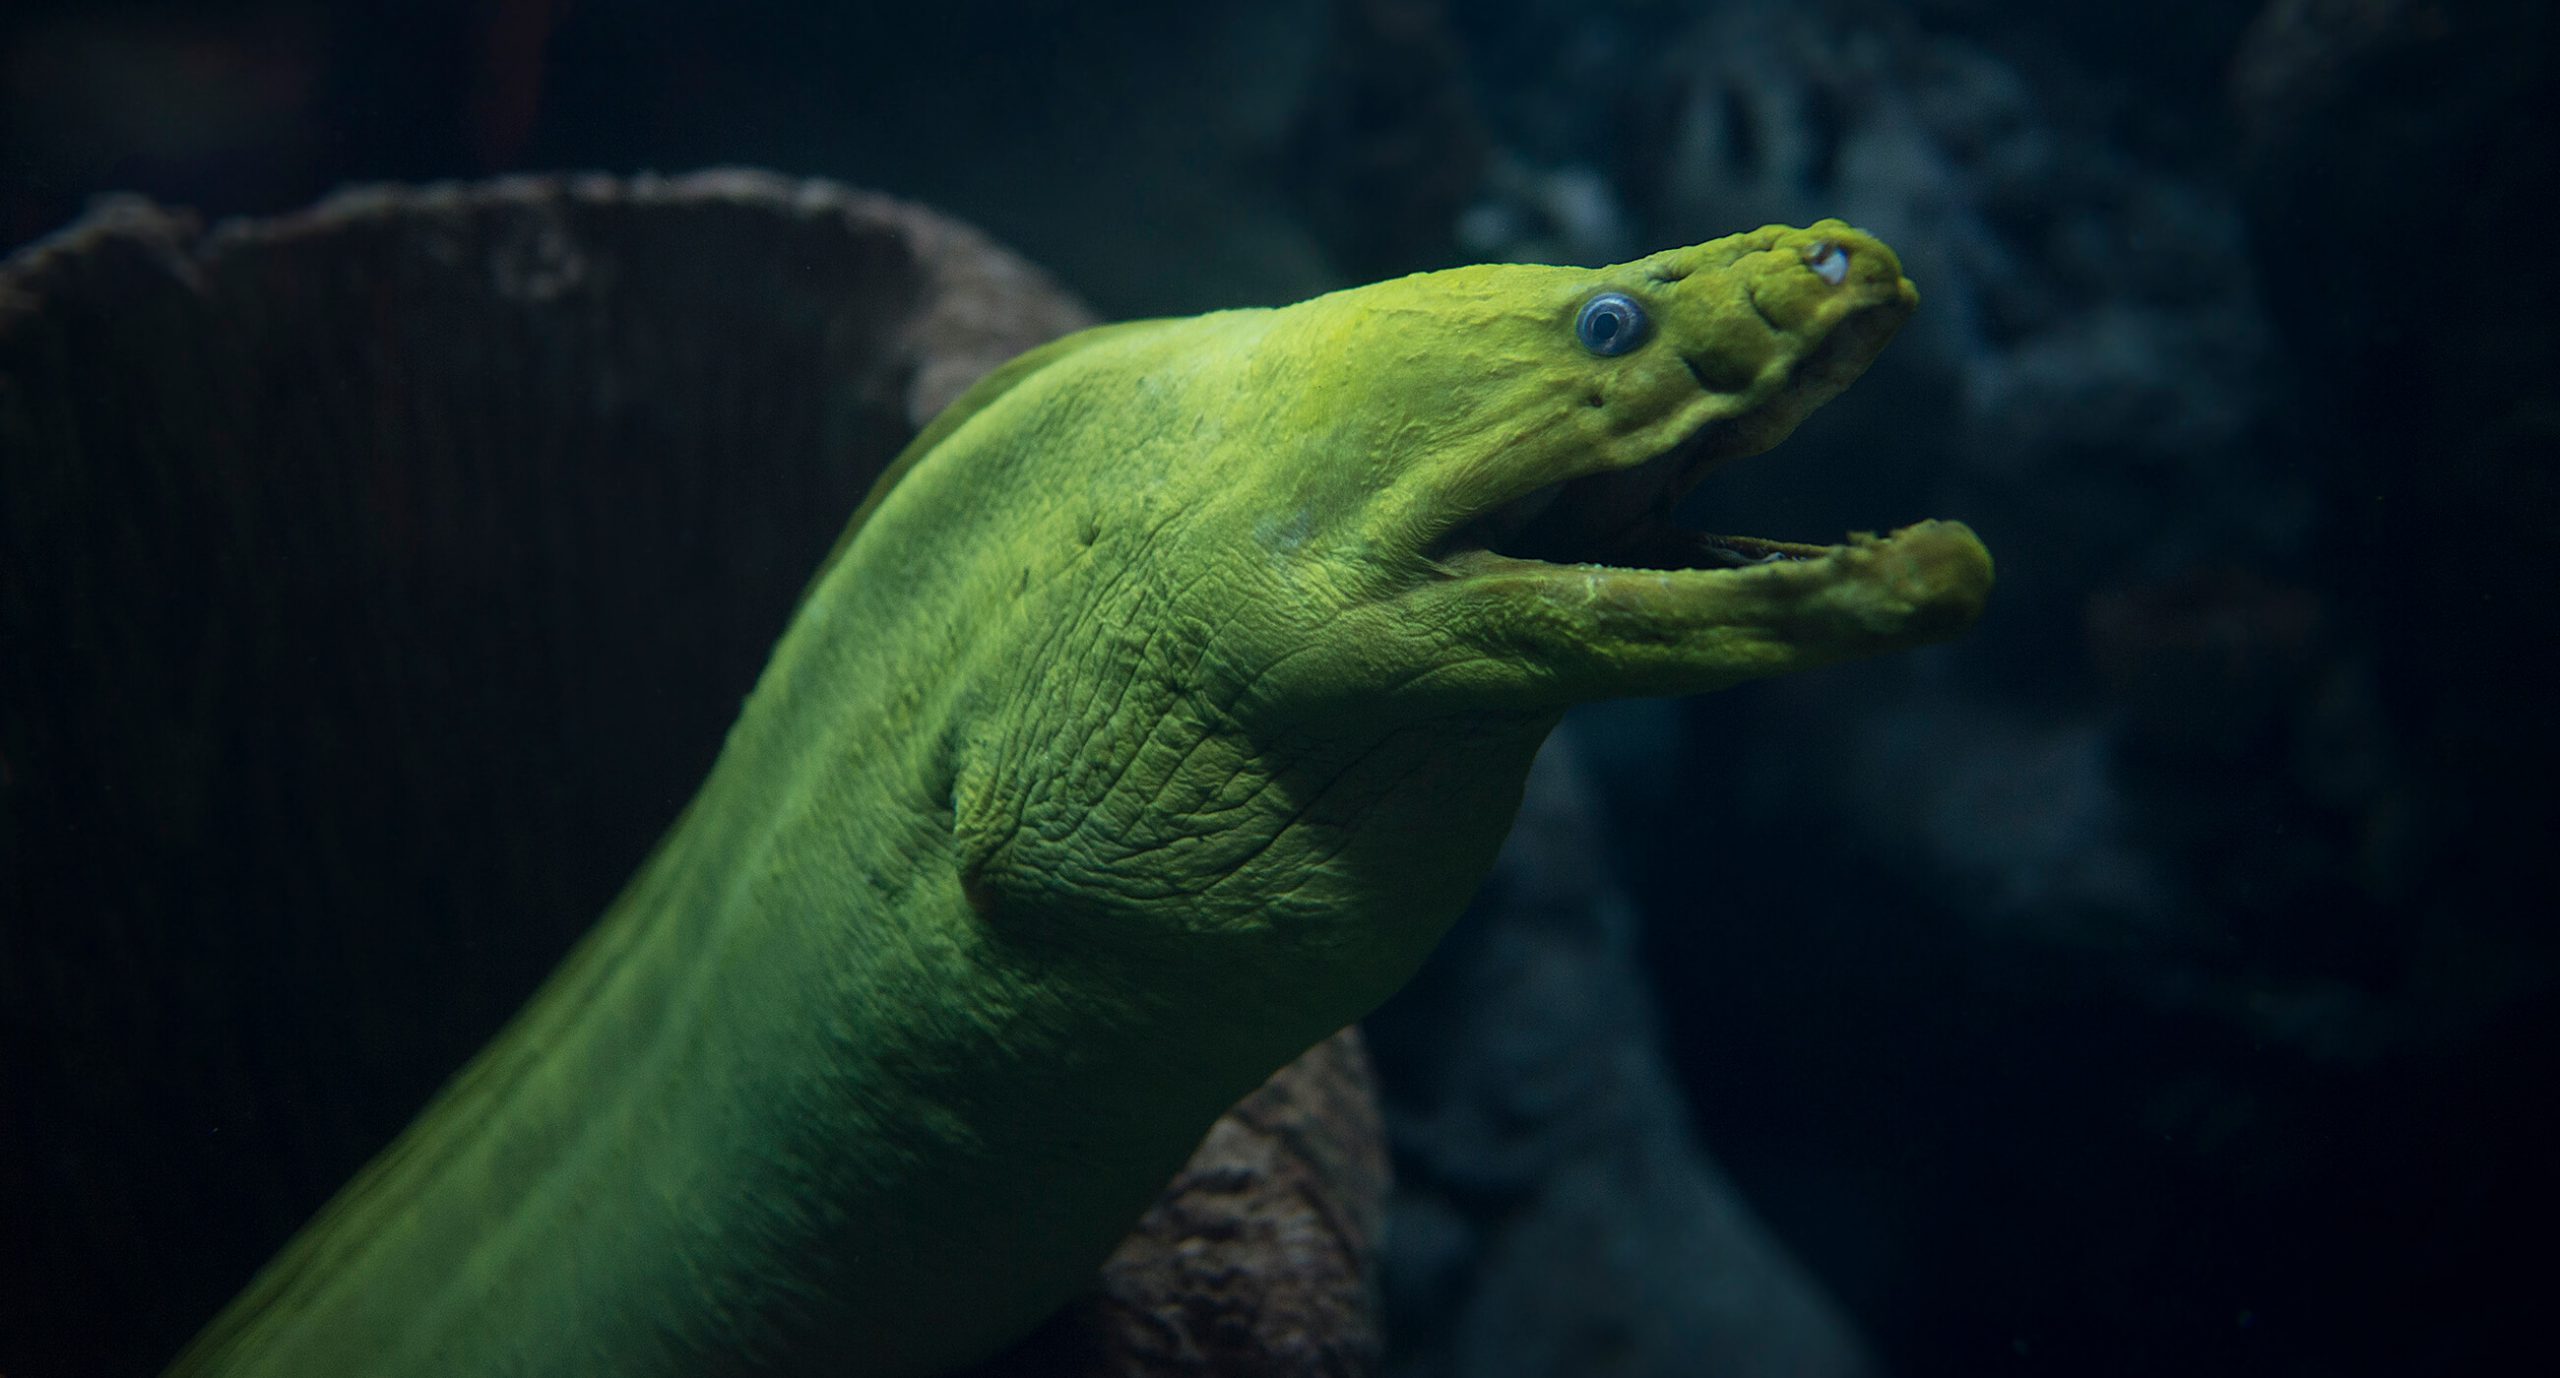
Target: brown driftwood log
(375, 584)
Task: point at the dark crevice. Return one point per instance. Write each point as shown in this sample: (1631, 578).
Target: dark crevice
(1741, 130)
(1825, 126)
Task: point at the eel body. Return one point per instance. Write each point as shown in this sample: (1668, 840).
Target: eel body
(1158, 711)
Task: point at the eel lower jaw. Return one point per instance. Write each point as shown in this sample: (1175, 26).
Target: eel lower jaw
(1731, 609)
(1588, 590)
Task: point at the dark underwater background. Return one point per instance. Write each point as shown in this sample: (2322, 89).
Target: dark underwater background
(2158, 980)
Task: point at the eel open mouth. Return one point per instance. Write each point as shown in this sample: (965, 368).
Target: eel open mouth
(1560, 574)
(1620, 519)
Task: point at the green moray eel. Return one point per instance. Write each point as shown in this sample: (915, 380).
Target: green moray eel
(1162, 705)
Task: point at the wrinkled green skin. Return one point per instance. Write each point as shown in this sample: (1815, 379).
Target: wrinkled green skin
(1132, 742)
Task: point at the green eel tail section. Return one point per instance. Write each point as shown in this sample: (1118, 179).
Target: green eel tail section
(1155, 717)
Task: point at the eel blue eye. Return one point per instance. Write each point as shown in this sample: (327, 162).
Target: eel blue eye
(1610, 323)
(1829, 262)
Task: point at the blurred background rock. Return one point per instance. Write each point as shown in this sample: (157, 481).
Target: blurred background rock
(2158, 980)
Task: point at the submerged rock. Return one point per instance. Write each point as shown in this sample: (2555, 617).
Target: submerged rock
(1554, 1212)
(380, 581)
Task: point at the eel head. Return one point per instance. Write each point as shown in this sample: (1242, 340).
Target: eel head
(1516, 518)
(1318, 580)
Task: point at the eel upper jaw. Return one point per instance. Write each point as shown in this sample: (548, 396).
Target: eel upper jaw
(1620, 518)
